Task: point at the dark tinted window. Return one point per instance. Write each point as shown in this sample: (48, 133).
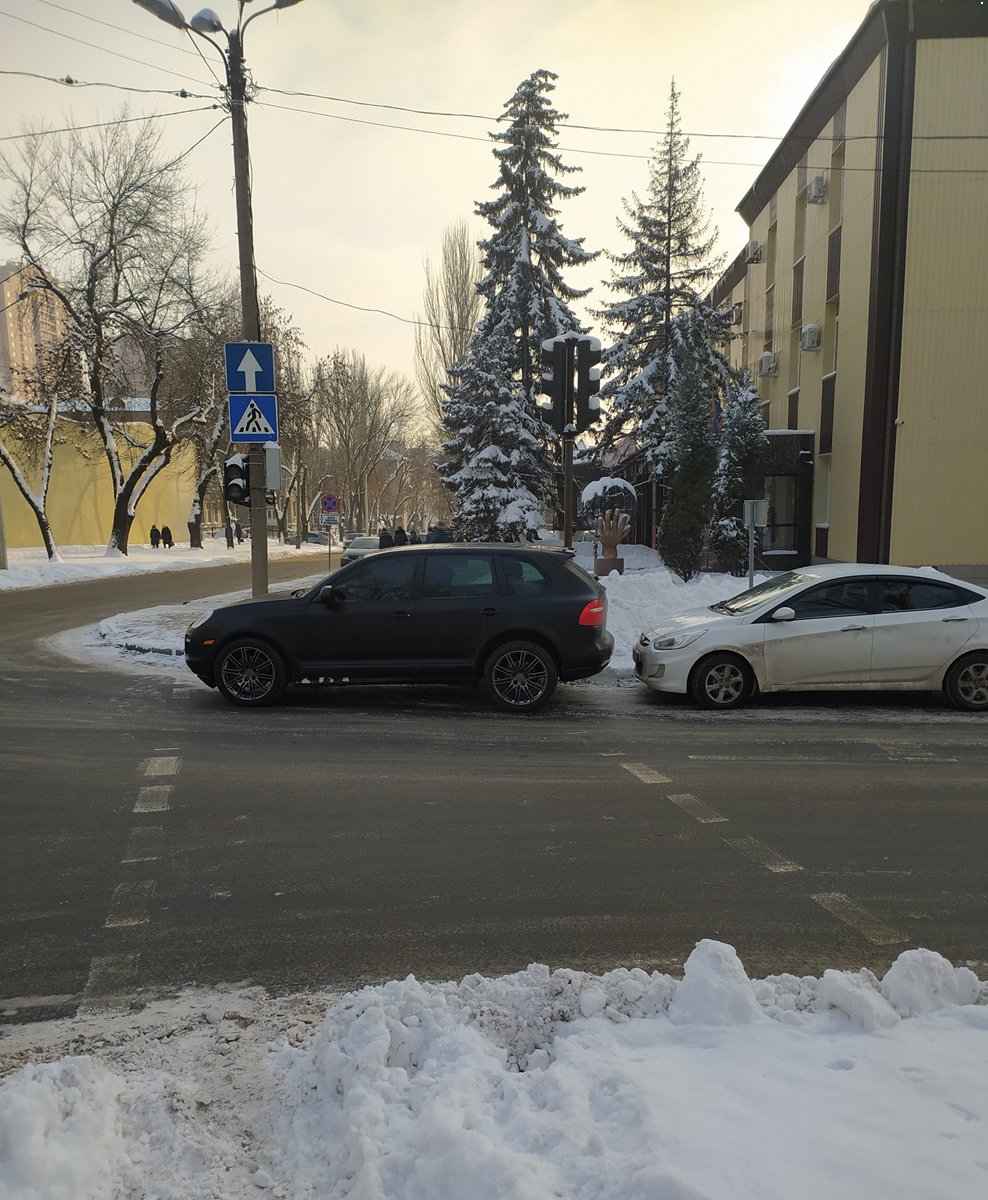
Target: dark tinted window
(380, 577)
(524, 577)
(905, 595)
(849, 597)
(450, 576)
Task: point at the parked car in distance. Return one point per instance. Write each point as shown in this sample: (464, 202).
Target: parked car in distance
(360, 547)
(851, 627)
(317, 537)
(514, 618)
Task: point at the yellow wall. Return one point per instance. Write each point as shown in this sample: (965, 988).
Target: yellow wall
(940, 504)
(80, 499)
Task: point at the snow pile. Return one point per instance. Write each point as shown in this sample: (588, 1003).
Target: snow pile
(630, 1086)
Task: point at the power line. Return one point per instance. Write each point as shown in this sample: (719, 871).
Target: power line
(94, 46)
(116, 28)
(15, 137)
(68, 81)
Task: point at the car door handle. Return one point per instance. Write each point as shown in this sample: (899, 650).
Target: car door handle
(945, 619)
(400, 614)
(489, 612)
(851, 628)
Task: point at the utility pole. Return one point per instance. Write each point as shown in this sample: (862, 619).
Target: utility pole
(205, 23)
(251, 326)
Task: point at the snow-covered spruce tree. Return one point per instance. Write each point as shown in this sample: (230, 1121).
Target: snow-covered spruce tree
(501, 461)
(687, 459)
(742, 434)
(659, 282)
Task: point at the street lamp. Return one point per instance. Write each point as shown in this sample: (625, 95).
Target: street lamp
(205, 24)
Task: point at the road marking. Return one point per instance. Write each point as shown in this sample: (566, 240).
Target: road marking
(156, 798)
(111, 982)
(764, 855)
(696, 808)
(129, 904)
(858, 918)
(162, 766)
(645, 774)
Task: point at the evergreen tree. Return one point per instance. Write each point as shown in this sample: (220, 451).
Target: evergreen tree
(660, 314)
(687, 458)
(742, 434)
(501, 462)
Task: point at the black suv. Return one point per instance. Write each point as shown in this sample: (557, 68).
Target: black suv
(515, 618)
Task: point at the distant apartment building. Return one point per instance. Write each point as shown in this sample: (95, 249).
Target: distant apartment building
(861, 298)
(31, 323)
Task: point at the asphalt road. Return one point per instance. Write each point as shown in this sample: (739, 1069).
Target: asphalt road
(155, 837)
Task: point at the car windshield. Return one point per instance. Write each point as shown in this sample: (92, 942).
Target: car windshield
(362, 543)
(767, 591)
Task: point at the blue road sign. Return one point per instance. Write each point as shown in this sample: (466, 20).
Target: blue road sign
(253, 418)
(329, 503)
(249, 367)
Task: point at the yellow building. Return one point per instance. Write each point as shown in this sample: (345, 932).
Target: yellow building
(861, 297)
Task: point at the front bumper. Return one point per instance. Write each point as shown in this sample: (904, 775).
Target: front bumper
(668, 671)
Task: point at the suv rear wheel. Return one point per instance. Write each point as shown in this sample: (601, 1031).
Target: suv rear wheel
(520, 676)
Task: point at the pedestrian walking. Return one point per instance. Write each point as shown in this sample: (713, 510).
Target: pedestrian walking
(238, 533)
(166, 537)
(413, 537)
(155, 537)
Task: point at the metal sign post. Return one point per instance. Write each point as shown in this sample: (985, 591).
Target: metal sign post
(755, 514)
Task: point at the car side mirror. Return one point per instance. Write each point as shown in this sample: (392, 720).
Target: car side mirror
(330, 596)
(785, 613)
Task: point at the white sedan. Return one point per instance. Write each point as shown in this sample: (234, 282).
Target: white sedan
(853, 627)
(360, 547)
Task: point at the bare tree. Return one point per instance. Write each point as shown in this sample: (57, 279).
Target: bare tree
(452, 308)
(104, 224)
(359, 415)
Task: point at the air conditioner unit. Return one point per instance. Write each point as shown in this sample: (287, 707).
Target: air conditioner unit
(816, 190)
(753, 252)
(768, 364)
(810, 337)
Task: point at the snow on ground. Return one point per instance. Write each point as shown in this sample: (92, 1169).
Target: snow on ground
(546, 1083)
(32, 568)
(626, 1086)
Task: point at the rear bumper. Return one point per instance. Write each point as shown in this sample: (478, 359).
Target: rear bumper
(591, 663)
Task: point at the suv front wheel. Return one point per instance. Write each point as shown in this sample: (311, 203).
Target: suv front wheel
(520, 676)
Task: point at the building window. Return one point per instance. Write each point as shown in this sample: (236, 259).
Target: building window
(793, 414)
(831, 335)
(835, 197)
(829, 390)
(797, 292)
(799, 234)
(833, 262)
(780, 532)
(770, 255)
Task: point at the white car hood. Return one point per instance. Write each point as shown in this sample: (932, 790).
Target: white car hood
(690, 620)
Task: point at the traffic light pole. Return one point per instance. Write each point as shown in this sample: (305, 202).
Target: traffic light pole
(248, 299)
(569, 433)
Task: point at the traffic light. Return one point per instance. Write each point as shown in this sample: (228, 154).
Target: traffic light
(236, 480)
(554, 357)
(587, 381)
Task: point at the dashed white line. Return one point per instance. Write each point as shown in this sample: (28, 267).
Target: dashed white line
(764, 855)
(696, 808)
(129, 904)
(645, 773)
(111, 982)
(166, 765)
(156, 798)
(858, 918)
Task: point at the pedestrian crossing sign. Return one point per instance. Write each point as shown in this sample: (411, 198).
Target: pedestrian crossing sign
(253, 418)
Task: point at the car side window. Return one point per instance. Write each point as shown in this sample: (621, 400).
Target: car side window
(905, 595)
(524, 577)
(849, 597)
(380, 577)
(457, 576)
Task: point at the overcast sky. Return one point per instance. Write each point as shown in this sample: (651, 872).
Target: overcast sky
(347, 205)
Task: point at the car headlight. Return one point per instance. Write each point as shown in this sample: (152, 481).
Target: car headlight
(676, 641)
(201, 620)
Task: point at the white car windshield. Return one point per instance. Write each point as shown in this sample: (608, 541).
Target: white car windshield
(767, 591)
(363, 543)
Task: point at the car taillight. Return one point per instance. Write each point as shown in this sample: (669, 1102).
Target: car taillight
(594, 612)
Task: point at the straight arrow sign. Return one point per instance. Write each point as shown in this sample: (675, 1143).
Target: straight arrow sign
(249, 367)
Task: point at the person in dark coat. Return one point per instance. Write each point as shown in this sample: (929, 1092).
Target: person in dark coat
(413, 537)
(166, 537)
(439, 534)
(401, 537)
(384, 539)
(155, 537)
